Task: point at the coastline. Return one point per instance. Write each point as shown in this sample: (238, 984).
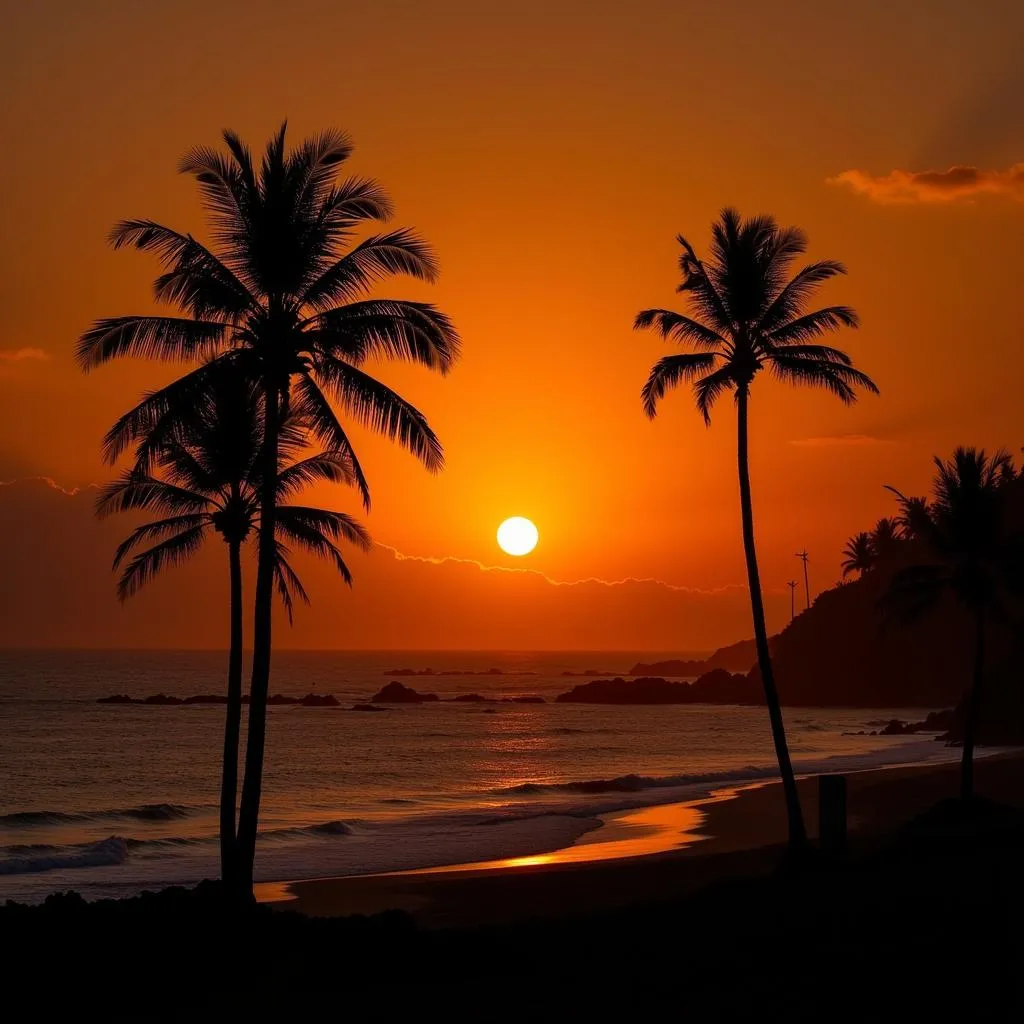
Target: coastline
(650, 853)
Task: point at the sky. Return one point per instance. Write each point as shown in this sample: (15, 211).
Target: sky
(550, 152)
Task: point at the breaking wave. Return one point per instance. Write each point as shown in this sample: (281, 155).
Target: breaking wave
(144, 812)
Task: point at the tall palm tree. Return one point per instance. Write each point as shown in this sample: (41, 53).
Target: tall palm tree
(204, 480)
(858, 555)
(973, 553)
(283, 293)
(748, 314)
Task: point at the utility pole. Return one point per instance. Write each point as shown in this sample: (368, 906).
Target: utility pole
(792, 584)
(802, 555)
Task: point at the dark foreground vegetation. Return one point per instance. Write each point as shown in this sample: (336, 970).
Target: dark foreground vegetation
(928, 922)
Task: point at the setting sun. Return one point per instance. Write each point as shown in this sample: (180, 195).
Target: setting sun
(517, 536)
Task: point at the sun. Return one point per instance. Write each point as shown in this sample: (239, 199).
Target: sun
(517, 536)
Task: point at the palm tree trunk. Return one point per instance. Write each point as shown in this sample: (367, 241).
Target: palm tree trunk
(232, 724)
(973, 709)
(797, 832)
(252, 786)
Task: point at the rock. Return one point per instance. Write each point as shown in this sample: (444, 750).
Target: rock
(319, 700)
(162, 698)
(368, 707)
(523, 700)
(116, 698)
(738, 657)
(395, 693)
(206, 698)
(279, 698)
(468, 698)
(717, 686)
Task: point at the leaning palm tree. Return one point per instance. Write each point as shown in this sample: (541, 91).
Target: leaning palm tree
(283, 293)
(858, 555)
(749, 314)
(972, 553)
(205, 480)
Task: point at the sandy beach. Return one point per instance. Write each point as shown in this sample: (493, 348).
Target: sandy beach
(642, 856)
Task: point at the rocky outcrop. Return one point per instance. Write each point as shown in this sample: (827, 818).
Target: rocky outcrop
(738, 657)
(397, 693)
(717, 687)
(311, 700)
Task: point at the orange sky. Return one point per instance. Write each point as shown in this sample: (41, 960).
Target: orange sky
(550, 152)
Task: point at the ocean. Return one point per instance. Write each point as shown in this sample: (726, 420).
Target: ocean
(109, 799)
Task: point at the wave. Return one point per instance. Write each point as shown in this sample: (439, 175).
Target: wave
(144, 812)
(102, 854)
(567, 730)
(636, 783)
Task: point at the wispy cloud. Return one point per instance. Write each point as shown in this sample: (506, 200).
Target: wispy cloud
(400, 556)
(48, 480)
(838, 440)
(957, 183)
(21, 355)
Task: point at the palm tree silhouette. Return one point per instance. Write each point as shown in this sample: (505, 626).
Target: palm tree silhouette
(973, 553)
(283, 297)
(750, 314)
(206, 480)
(886, 538)
(858, 555)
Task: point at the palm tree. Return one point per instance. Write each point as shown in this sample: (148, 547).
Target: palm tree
(858, 555)
(283, 294)
(973, 554)
(206, 480)
(748, 314)
(886, 538)
(914, 518)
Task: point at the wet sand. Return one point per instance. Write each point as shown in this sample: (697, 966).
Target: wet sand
(641, 856)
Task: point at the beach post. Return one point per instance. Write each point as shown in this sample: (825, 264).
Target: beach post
(832, 813)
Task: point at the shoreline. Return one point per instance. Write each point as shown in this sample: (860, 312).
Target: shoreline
(642, 854)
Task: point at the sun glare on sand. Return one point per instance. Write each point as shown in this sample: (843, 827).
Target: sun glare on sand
(517, 536)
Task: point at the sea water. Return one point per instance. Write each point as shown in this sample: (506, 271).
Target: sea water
(111, 799)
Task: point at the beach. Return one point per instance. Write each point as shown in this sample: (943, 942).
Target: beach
(734, 834)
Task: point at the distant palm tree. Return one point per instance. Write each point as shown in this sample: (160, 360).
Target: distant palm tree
(885, 538)
(973, 553)
(858, 555)
(206, 480)
(750, 314)
(914, 518)
(282, 294)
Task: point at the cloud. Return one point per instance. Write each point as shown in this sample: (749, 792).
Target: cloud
(838, 440)
(57, 590)
(21, 355)
(957, 183)
(401, 556)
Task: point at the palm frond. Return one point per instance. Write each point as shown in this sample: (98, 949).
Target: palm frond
(794, 295)
(708, 389)
(376, 406)
(314, 407)
(670, 371)
(335, 525)
(379, 256)
(841, 380)
(149, 563)
(135, 489)
(675, 325)
(327, 467)
(814, 325)
(387, 328)
(162, 414)
(148, 337)
(158, 529)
